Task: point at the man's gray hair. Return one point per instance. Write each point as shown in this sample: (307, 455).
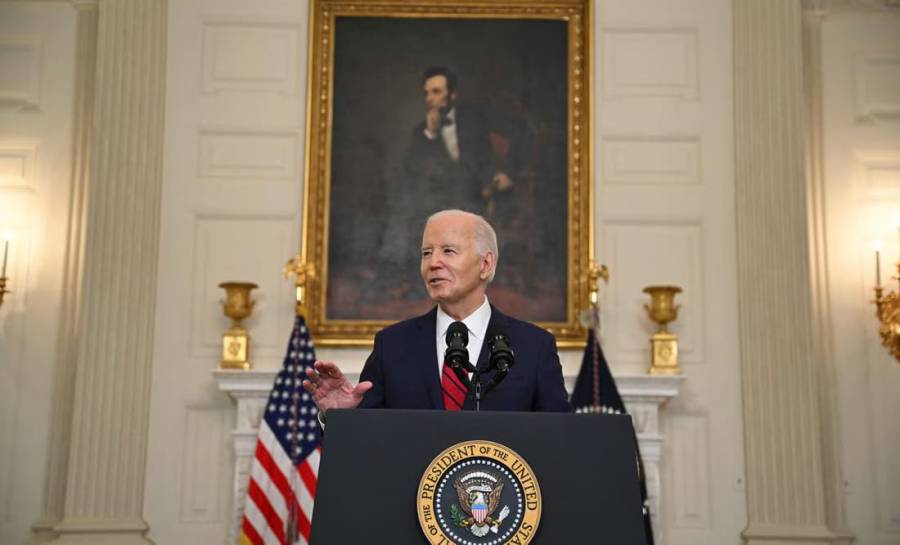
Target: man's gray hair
(485, 237)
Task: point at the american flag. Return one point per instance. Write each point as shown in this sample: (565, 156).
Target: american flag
(283, 476)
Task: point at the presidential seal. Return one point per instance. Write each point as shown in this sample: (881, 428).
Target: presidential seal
(479, 493)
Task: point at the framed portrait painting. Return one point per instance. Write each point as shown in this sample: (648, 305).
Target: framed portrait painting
(415, 107)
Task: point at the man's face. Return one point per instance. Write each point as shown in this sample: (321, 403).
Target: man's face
(453, 271)
(437, 95)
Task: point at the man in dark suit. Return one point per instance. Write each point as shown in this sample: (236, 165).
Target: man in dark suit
(406, 369)
(461, 154)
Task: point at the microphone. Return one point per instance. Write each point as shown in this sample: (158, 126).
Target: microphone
(456, 355)
(501, 359)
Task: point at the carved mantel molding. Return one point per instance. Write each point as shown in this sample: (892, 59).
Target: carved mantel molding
(644, 396)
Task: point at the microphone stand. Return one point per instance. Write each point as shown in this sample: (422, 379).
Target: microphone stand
(476, 377)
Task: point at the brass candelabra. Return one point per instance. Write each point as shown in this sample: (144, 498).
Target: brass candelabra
(887, 309)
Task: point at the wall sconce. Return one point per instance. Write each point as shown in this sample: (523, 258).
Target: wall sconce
(7, 237)
(888, 307)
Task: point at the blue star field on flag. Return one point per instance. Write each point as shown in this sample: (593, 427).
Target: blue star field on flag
(291, 412)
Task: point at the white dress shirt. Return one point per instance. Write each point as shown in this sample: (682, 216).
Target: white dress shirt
(476, 323)
(448, 135)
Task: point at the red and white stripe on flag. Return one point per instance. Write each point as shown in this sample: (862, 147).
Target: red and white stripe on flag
(278, 507)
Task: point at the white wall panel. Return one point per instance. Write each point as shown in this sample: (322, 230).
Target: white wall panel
(653, 253)
(861, 110)
(21, 57)
(17, 164)
(877, 81)
(651, 160)
(690, 466)
(204, 477)
(251, 56)
(248, 154)
(219, 258)
(886, 404)
(665, 215)
(650, 63)
(236, 83)
(878, 171)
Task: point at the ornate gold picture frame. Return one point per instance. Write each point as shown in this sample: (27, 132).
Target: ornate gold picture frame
(515, 146)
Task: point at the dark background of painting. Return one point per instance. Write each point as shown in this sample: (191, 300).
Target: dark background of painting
(514, 68)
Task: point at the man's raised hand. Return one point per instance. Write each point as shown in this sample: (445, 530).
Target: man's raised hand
(330, 389)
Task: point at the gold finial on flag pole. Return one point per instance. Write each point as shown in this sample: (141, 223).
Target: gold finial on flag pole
(303, 273)
(590, 317)
(594, 275)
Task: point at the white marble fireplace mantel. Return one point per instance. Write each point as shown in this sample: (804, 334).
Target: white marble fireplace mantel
(644, 396)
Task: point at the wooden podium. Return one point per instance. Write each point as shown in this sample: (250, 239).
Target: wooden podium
(381, 473)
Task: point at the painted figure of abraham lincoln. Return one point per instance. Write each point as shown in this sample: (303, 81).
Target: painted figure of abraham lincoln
(430, 114)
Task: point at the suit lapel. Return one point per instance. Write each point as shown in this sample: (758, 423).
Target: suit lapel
(424, 354)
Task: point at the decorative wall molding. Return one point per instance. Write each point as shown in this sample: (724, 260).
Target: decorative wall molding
(202, 465)
(251, 56)
(250, 154)
(677, 250)
(21, 56)
(651, 160)
(878, 172)
(215, 261)
(690, 470)
(877, 84)
(650, 62)
(18, 160)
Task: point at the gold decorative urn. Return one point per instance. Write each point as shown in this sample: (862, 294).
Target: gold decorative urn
(662, 310)
(236, 342)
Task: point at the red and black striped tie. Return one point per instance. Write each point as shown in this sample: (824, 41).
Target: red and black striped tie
(454, 390)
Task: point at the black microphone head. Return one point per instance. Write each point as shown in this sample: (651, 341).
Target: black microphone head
(502, 357)
(457, 338)
(457, 332)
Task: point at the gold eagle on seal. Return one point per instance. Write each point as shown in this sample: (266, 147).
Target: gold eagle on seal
(479, 498)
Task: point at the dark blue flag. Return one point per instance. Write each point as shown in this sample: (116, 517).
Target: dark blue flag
(596, 392)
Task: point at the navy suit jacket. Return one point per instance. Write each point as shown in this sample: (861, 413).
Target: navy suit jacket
(403, 368)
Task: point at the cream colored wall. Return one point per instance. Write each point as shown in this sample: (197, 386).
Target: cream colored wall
(664, 215)
(861, 182)
(664, 204)
(36, 84)
(232, 196)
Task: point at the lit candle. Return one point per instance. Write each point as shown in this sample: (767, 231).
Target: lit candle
(877, 245)
(7, 236)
